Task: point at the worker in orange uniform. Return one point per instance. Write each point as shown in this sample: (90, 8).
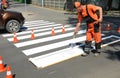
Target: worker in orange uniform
(92, 14)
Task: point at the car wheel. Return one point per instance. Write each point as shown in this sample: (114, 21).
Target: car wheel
(13, 26)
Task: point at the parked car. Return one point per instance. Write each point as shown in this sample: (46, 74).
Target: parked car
(11, 21)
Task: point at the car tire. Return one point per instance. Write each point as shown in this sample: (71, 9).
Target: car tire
(13, 26)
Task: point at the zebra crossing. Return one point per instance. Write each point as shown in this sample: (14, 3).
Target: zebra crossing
(46, 50)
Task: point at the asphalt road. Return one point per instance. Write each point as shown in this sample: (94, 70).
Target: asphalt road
(104, 66)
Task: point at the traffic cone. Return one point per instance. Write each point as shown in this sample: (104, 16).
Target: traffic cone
(15, 38)
(108, 27)
(32, 34)
(53, 31)
(63, 29)
(9, 74)
(118, 30)
(2, 67)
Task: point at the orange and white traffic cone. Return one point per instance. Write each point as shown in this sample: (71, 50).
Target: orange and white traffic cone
(32, 34)
(63, 29)
(2, 67)
(108, 27)
(15, 38)
(9, 74)
(53, 31)
(118, 30)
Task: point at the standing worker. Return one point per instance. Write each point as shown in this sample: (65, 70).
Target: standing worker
(93, 16)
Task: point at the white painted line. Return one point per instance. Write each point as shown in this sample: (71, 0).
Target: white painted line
(52, 46)
(34, 22)
(26, 32)
(55, 57)
(38, 34)
(106, 37)
(61, 55)
(112, 42)
(46, 27)
(31, 42)
(38, 24)
(116, 36)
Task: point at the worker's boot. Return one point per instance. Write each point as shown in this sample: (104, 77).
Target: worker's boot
(97, 49)
(87, 48)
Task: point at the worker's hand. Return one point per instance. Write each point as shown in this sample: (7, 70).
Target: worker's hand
(96, 22)
(76, 29)
(100, 20)
(74, 35)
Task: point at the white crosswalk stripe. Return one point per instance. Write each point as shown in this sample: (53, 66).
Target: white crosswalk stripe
(42, 28)
(31, 42)
(51, 46)
(42, 31)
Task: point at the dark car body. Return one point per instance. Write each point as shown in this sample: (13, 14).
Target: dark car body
(11, 21)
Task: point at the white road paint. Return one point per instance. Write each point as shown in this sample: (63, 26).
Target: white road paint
(55, 57)
(52, 46)
(31, 42)
(52, 57)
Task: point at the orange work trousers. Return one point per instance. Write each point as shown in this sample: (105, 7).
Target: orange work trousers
(92, 35)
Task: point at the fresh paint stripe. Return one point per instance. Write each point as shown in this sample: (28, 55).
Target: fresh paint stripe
(52, 46)
(31, 42)
(55, 57)
(39, 34)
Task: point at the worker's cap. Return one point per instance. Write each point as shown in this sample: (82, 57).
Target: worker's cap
(77, 4)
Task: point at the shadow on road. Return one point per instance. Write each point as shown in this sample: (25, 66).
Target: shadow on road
(113, 54)
(2, 31)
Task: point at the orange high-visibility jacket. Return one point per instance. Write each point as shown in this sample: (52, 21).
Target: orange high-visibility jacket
(91, 10)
